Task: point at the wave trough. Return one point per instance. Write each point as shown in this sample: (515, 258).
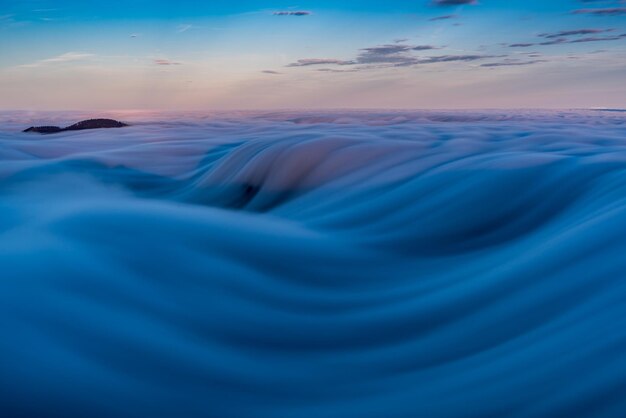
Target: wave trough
(308, 264)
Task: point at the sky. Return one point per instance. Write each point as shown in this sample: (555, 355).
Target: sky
(251, 54)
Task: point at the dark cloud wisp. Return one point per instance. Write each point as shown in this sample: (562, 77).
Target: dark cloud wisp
(444, 17)
(610, 11)
(445, 3)
(319, 61)
(511, 63)
(575, 32)
(292, 13)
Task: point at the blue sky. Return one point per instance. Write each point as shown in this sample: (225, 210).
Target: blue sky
(312, 54)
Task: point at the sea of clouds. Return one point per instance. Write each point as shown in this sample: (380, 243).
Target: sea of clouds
(314, 264)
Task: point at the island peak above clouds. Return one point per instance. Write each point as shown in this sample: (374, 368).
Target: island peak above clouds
(85, 124)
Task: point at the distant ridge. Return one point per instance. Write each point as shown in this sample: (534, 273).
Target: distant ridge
(85, 124)
(608, 110)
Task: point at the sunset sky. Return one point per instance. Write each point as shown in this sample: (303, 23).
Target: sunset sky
(251, 54)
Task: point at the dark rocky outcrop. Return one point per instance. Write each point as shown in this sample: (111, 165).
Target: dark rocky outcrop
(85, 124)
(43, 129)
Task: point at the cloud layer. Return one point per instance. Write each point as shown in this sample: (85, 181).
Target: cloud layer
(342, 264)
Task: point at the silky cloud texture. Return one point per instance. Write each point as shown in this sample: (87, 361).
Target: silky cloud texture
(336, 264)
